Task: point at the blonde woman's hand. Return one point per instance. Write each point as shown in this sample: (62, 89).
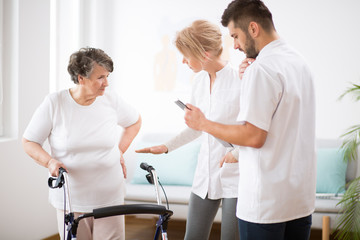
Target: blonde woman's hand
(154, 149)
(228, 158)
(194, 117)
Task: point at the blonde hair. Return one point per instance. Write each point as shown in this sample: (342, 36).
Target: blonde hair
(200, 37)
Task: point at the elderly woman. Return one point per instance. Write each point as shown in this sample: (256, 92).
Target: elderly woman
(216, 91)
(83, 127)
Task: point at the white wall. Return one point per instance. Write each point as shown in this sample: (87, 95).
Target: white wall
(324, 31)
(25, 212)
(327, 34)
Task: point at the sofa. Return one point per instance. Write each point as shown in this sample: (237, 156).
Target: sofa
(326, 209)
(138, 191)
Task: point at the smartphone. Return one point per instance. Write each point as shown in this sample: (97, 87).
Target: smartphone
(181, 104)
(225, 144)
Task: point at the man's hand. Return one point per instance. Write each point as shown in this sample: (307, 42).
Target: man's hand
(194, 118)
(154, 149)
(228, 158)
(244, 64)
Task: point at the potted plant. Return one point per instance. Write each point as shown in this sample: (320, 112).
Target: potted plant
(348, 226)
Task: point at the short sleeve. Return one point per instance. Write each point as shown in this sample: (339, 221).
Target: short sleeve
(40, 125)
(126, 114)
(260, 96)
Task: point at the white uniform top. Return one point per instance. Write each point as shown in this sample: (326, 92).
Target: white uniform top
(85, 139)
(277, 182)
(222, 105)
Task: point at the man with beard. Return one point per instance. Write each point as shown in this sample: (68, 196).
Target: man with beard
(276, 131)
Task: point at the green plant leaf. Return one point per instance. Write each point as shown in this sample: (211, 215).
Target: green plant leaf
(348, 226)
(351, 142)
(354, 90)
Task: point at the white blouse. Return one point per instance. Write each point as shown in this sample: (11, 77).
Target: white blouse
(221, 105)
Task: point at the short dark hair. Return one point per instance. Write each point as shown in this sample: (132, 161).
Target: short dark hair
(82, 62)
(242, 12)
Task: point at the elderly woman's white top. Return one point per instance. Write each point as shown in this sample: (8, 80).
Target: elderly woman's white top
(85, 139)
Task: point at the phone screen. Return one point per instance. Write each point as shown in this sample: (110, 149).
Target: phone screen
(181, 104)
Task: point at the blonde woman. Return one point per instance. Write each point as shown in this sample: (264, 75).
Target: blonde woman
(216, 91)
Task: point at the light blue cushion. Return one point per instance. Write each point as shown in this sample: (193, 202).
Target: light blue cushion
(331, 171)
(174, 168)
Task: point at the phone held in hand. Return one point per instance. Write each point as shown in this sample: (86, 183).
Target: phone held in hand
(181, 104)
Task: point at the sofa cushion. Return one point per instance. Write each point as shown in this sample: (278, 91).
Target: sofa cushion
(331, 171)
(174, 168)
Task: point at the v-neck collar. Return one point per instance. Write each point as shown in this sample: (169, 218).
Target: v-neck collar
(218, 76)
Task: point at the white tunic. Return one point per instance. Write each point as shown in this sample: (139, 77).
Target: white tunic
(277, 182)
(222, 105)
(85, 139)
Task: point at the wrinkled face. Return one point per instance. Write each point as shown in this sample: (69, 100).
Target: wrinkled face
(243, 41)
(97, 81)
(193, 63)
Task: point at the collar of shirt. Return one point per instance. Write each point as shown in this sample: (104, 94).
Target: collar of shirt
(269, 47)
(219, 74)
(223, 70)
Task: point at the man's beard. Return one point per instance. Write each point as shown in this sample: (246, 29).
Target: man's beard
(249, 48)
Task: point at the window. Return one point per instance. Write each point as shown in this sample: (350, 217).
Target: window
(8, 68)
(64, 40)
(1, 69)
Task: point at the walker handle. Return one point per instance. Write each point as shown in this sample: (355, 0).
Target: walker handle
(59, 179)
(146, 167)
(130, 209)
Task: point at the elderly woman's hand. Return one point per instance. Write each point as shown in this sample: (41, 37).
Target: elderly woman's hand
(123, 165)
(53, 165)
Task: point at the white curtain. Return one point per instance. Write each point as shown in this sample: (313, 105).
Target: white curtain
(76, 24)
(1, 69)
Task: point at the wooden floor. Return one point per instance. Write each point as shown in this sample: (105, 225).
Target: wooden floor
(141, 229)
(144, 228)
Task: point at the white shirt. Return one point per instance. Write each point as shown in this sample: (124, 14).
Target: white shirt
(222, 105)
(277, 182)
(85, 139)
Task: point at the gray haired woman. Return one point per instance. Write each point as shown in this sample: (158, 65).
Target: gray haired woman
(82, 128)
